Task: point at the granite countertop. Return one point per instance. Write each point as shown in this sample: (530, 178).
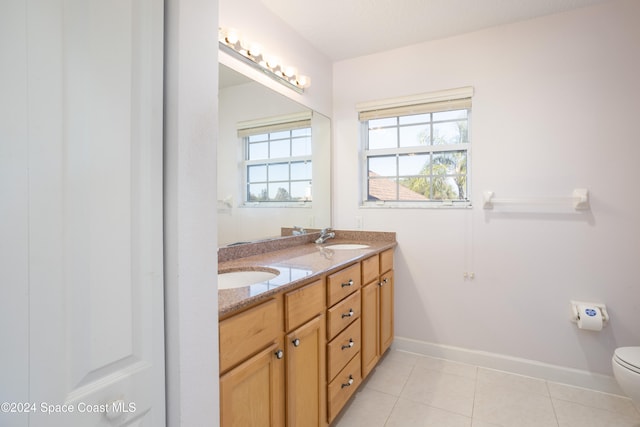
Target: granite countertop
(297, 261)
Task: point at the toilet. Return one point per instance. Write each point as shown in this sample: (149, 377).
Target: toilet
(626, 370)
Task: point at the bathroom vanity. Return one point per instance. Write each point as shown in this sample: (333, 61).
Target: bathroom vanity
(294, 348)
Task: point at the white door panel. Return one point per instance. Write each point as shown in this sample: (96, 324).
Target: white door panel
(14, 203)
(95, 212)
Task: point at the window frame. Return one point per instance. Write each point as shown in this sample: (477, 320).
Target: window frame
(441, 101)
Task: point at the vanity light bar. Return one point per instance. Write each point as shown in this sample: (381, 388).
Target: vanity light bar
(252, 54)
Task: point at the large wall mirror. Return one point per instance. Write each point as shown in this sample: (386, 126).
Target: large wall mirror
(250, 194)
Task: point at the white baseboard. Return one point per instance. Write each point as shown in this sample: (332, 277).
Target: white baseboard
(531, 368)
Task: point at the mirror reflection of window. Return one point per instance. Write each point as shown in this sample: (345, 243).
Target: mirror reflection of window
(278, 164)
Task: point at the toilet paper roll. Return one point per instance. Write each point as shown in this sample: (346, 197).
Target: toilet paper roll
(589, 318)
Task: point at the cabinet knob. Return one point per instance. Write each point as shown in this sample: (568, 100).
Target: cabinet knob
(384, 282)
(349, 314)
(351, 344)
(348, 383)
(349, 283)
(279, 354)
(296, 342)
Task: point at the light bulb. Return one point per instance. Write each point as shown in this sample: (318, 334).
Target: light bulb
(232, 36)
(273, 62)
(290, 71)
(255, 50)
(304, 81)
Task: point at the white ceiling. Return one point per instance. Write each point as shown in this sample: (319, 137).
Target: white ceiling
(349, 28)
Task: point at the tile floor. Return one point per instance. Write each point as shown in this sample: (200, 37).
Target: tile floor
(409, 390)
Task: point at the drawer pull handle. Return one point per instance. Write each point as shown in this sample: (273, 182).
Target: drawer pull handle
(348, 383)
(349, 314)
(279, 354)
(349, 283)
(296, 342)
(351, 344)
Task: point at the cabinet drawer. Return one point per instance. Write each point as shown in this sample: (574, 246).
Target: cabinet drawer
(343, 386)
(343, 348)
(342, 283)
(303, 304)
(342, 314)
(244, 334)
(370, 269)
(386, 260)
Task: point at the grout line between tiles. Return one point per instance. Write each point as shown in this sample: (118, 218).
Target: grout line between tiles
(553, 406)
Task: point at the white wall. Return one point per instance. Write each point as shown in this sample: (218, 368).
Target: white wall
(257, 23)
(191, 111)
(555, 107)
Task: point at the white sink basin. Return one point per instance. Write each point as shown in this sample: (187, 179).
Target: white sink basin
(347, 246)
(238, 279)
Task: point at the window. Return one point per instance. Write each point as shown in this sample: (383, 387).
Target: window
(278, 165)
(417, 153)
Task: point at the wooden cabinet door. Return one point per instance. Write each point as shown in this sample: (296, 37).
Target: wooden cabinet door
(370, 328)
(252, 394)
(306, 382)
(386, 311)
(306, 396)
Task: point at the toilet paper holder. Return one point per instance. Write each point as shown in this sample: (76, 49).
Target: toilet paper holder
(575, 312)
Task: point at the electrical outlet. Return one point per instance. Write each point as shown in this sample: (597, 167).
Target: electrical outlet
(359, 223)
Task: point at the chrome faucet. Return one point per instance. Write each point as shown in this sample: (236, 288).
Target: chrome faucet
(325, 235)
(297, 231)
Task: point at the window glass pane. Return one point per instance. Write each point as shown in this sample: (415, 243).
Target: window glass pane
(450, 115)
(447, 133)
(279, 149)
(460, 188)
(279, 172)
(381, 188)
(451, 162)
(300, 170)
(279, 192)
(257, 192)
(301, 147)
(463, 125)
(417, 118)
(411, 136)
(280, 135)
(416, 164)
(383, 166)
(301, 132)
(378, 123)
(257, 173)
(415, 188)
(258, 151)
(256, 138)
(383, 138)
(443, 187)
(299, 190)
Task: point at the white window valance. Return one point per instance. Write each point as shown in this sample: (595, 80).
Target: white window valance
(274, 124)
(450, 99)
